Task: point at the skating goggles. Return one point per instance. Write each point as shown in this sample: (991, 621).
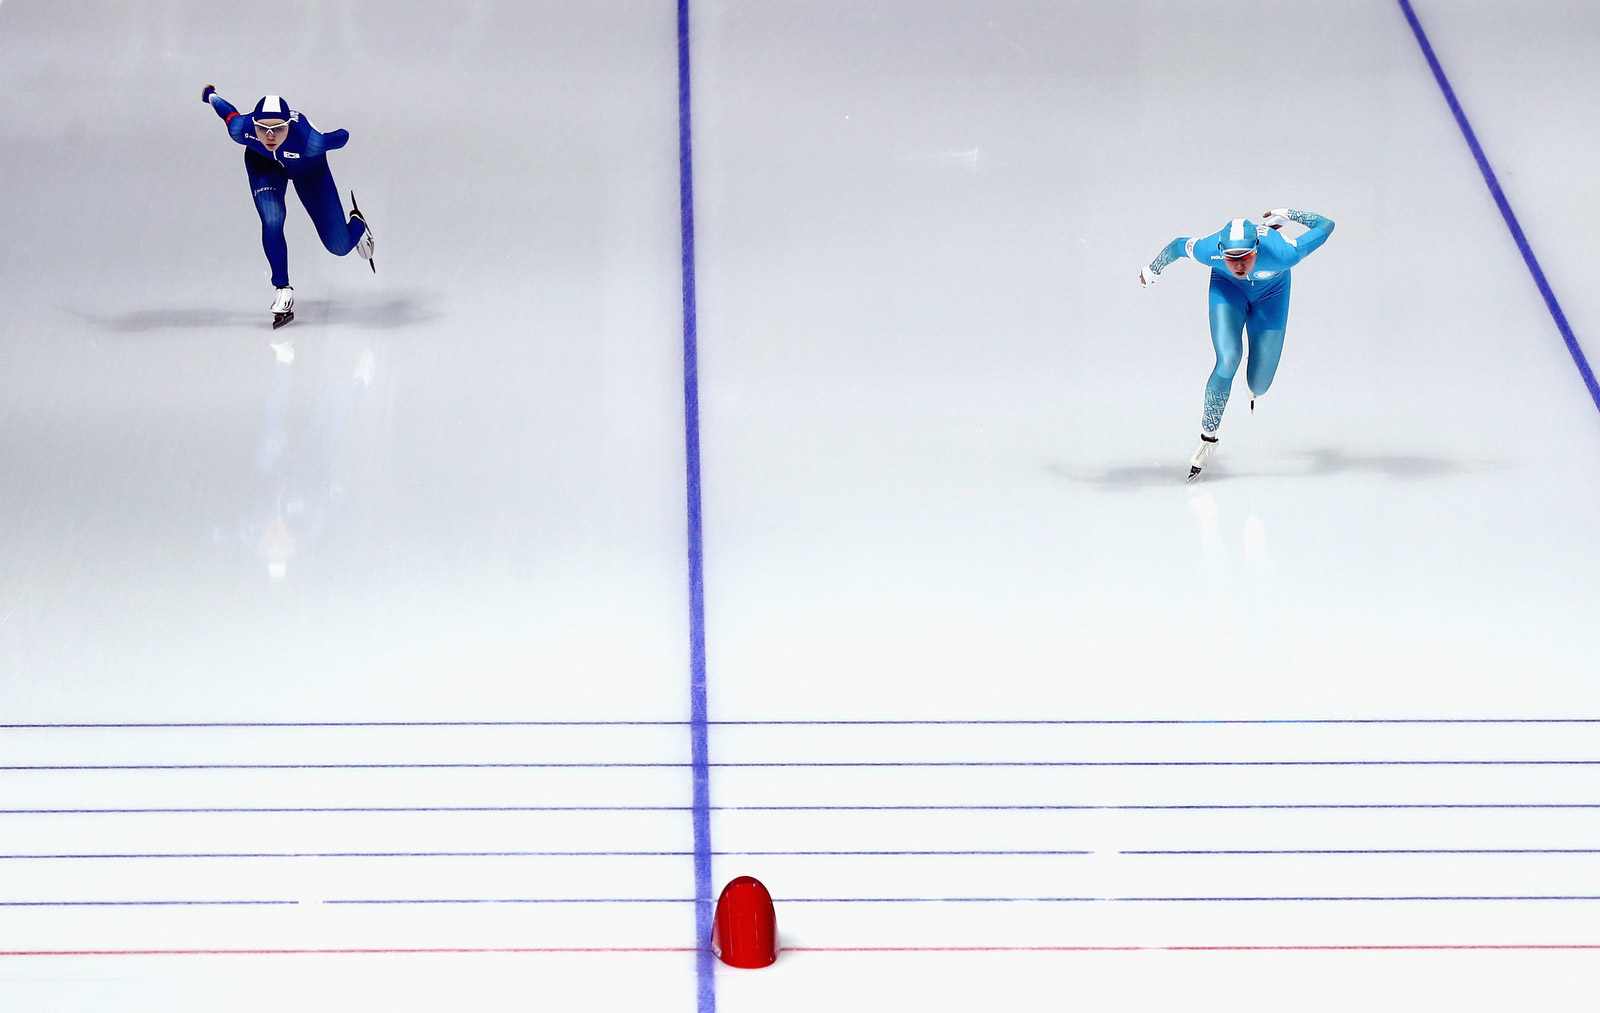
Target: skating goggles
(1238, 254)
(272, 129)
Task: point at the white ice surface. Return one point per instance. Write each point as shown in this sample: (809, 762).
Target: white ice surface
(944, 432)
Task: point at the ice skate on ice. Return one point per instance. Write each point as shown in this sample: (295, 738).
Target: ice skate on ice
(1202, 454)
(364, 245)
(283, 307)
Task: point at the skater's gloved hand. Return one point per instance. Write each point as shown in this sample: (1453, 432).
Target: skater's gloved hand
(1147, 277)
(206, 93)
(1276, 218)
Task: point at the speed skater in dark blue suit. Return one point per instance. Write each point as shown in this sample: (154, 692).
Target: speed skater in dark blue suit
(282, 145)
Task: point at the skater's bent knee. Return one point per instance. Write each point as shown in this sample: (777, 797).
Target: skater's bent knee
(337, 245)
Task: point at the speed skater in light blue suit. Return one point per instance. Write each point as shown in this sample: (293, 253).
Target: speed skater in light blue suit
(282, 145)
(1250, 276)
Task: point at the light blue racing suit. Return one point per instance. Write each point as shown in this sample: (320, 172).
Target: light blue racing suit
(1258, 304)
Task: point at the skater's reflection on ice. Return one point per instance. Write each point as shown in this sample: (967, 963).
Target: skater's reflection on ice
(296, 493)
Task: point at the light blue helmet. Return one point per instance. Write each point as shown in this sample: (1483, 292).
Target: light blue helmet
(1239, 239)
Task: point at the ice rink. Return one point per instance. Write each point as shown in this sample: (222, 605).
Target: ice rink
(367, 680)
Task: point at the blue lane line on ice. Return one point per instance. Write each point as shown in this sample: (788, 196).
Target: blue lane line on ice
(1172, 900)
(1002, 853)
(356, 854)
(431, 901)
(970, 900)
(144, 903)
(360, 809)
(1160, 807)
(852, 764)
(546, 854)
(705, 969)
(807, 723)
(519, 900)
(1379, 851)
(1184, 807)
(1504, 205)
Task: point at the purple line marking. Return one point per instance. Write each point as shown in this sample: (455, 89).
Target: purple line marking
(1170, 900)
(941, 853)
(814, 808)
(1489, 178)
(1161, 807)
(523, 854)
(1380, 851)
(705, 967)
(425, 901)
(977, 900)
(355, 854)
(854, 764)
(144, 903)
(358, 809)
(866, 722)
(401, 901)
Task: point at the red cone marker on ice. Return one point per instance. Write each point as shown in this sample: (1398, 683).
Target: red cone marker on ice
(746, 930)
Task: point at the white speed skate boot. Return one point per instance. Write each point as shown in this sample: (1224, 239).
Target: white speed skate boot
(364, 245)
(1202, 454)
(283, 307)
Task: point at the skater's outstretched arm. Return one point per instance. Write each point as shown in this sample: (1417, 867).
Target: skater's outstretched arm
(1182, 246)
(238, 125)
(1318, 229)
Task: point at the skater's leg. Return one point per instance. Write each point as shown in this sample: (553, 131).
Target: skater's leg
(321, 199)
(267, 184)
(1265, 348)
(1268, 319)
(1228, 308)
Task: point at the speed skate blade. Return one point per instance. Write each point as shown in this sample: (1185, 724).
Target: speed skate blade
(1194, 473)
(279, 319)
(355, 209)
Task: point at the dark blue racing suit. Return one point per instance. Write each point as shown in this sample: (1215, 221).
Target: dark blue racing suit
(303, 158)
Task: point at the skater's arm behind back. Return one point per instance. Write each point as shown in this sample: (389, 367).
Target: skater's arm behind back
(1307, 242)
(318, 143)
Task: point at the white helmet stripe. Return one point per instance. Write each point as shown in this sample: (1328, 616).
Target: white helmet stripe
(1236, 231)
(273, 103)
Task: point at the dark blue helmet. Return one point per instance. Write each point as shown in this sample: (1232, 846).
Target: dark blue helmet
(272, 107)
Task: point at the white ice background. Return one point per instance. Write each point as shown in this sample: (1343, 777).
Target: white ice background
(944, 433)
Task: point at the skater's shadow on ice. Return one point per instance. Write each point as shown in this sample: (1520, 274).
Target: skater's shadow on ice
(1320, 462)
(386, 315)
(1332, 461)
(144, 321)
(1118, 478)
